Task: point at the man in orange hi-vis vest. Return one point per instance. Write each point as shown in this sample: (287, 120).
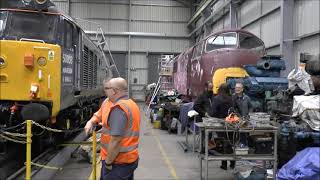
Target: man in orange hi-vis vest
(120, 118)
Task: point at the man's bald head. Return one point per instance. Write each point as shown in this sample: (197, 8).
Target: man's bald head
(119, 83)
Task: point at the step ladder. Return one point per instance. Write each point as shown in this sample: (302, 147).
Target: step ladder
(101, 43)
(165, 81)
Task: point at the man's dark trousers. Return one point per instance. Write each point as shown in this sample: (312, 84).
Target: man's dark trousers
(119, 171)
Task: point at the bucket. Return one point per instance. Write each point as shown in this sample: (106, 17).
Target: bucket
(156, 124)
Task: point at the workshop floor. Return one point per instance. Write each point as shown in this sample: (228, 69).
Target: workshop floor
(161, 158)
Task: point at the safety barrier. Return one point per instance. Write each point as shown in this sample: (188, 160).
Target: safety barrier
(16, 137)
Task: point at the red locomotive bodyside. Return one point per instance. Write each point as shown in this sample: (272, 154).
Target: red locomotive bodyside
(228, 48)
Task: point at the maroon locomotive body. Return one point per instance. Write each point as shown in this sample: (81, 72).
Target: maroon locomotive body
(227, 48)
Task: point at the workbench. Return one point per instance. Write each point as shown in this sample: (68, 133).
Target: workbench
(206, 157)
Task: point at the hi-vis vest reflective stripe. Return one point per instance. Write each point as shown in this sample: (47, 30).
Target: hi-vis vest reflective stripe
(130, 140)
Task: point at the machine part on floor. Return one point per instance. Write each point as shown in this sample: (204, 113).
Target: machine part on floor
(183, 145)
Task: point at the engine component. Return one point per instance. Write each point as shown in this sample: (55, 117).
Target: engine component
(258, 85)
(263, 145)
(253, 70)
(271, 64)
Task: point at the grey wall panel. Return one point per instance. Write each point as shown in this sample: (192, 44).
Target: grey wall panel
(249, 10)
(138, 75)
(270, 29)
(307, 16)
(79, 10)
(158, 45)
(62, 6)
(101, 1)
(254, 28)
(113, 25)
(121, 63)
(157, 2)
(108, 11)
(179, 45)
(269, 5)
(273, 51)
(96, 10)
(160, 13)
(157, 27)
(117, 43)
(219, 25)
(226, 21)
(139, 60)
(308, 45)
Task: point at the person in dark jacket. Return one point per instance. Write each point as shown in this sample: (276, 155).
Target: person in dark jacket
(203, 106)
(203, 102)
(220, 108)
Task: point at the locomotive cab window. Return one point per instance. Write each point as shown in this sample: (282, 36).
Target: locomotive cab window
(68, 33)
(29, 25)
(226, 40)
(247, 41)
(3, 17)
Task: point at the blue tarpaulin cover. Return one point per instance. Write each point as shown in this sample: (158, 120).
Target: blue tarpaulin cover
(305, 165)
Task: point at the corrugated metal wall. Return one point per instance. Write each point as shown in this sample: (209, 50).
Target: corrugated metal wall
(139, 75)
(263, 18)
(156, 26)
(307, 26)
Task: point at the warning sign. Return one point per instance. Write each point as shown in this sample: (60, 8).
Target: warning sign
(51, 55)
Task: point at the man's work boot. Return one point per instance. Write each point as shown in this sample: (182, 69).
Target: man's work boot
(224, 165)
(232, 164)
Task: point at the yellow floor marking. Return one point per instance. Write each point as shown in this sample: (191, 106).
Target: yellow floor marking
(98, 170)
(163, 152)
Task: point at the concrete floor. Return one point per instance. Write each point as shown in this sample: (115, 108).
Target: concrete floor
(161, 158)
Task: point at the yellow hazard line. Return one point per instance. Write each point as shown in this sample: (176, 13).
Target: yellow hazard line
(163, 152)
(98, 170)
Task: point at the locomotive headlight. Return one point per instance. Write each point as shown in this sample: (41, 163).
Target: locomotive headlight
(41, 1)
(2, 63)
(42, 61)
